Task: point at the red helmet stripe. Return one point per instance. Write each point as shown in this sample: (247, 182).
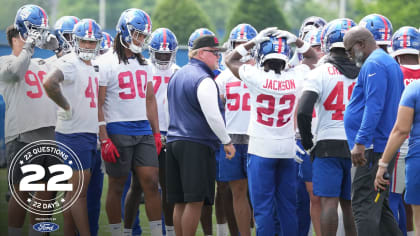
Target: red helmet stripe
(149, 24)
(44, 17)
(242, 32)
(108, 40)
(386, 27)
(164, 38)
(280, 44)
(90, 28)
(405, 38)
(75, 20)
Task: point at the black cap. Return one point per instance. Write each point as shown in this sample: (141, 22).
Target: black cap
(207, 41)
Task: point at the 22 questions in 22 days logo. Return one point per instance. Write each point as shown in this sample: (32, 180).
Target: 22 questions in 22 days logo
(45, 167)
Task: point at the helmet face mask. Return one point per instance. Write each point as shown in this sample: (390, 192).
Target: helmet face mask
(134, 27)
(63, 30)
(86, 31)
(163, 46)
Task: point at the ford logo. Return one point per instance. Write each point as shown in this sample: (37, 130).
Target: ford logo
(46, 227)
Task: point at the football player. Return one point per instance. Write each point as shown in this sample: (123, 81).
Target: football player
(129, 126)
(63, 30)
(77, 123)
(235, 95)
(273, 95)
(163, 46)
(405, 49)
(328, 89)
(20, 85)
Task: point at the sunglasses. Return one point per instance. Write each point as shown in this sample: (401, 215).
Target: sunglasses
(215, 52)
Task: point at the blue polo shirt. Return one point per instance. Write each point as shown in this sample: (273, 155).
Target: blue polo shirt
(411, 98)
(372, 110)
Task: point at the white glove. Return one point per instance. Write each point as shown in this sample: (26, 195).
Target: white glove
(291, 38)
(51, 43)
(64, 114)
(33, 37)
(264, 35)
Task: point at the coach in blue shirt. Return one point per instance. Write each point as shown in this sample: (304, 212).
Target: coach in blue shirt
(368, 120)
(196, 128)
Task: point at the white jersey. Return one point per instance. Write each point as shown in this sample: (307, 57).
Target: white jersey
(27, 105)
(160, 87)
(273, 102)
(237, 108)
(80, 87)
(126, 88)
(334, 92)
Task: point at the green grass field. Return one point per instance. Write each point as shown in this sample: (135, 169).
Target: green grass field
(103, 221)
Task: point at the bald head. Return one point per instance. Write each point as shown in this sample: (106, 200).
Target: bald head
(359, 34)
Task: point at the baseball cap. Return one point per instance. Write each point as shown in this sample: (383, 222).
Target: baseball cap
(207, 41)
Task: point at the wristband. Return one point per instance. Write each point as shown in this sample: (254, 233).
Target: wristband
(100, 123)
(382, 164)
(241, 50)
(305, 47)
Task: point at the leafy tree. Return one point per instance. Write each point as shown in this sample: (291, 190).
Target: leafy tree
(260, 14)
(219, 13)
(180, 16)
(9, 8)
(400, 13)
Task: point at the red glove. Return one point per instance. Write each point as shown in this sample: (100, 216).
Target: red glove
(158, 142)
(109, 151)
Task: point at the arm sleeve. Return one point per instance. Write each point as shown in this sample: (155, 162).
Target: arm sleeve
(304, 117)
(220, 81)
(375, 88)
(15, 68)
(207, 97)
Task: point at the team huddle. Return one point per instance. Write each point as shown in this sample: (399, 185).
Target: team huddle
(293, 126)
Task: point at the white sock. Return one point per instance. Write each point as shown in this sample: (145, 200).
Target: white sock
(14, 231)
(127, 232)
(222, 229)
(410, 233)
(115, 229)
(156, 227)
(170, 230)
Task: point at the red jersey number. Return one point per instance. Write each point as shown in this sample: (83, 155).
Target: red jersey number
(268, 109)
(126, 83)
(234, 99)
(337, 96)
(90, 93)
(34, 80)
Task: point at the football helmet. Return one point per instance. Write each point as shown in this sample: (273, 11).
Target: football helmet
(275, 48)
(63, 30)
(132, 24)
(334, 35)
(89, 30)
(241, 33)
(32, 17)
(163, 46)
(106, 43)
(197, 33)
(406, 41)
(311, 23)
(313, 37)
(379, 26)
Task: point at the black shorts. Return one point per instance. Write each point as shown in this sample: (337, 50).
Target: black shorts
(134, 151)
(190, 172)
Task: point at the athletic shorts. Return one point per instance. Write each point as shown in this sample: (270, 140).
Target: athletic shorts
(134, 151)
(412, 180)
(331, 177)
(190, 172)
(304, 168)
(13, 147)
(235, 168)
(83, 145)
